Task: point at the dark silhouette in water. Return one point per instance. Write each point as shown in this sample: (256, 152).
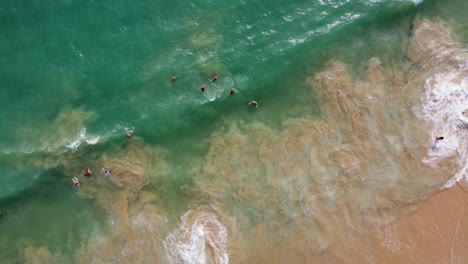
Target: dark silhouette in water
(76, 181)
(87, 172)
(214, 77)
(105, 171)
(128, 133)
(253, 103)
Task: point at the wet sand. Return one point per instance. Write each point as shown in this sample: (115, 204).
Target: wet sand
(437, 232)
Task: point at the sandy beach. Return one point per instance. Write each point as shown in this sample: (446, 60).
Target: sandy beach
(434, 233)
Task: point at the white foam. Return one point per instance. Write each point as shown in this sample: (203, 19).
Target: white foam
(82, 138)
(76, 143)
(372, 2)
(186, 244)
(417, 2)
(92, 141)
(446, 106)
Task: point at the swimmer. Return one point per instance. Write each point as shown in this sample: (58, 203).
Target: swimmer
(128, 133)
(76, 181)
(437, 139)
(87, 172)
(105, 171)
(254, 103)
(214, 77)
(1, 213)
(173, 79)
(203, 88)
(232, 92)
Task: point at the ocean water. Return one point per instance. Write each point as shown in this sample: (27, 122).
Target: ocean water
(351, 94)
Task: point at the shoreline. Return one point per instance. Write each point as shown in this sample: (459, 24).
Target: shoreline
(439, 225)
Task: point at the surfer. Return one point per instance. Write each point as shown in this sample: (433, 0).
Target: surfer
(254, 103)
(76, 181)
(203, 88)
(87, 172)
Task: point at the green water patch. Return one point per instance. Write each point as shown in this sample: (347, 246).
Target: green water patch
(382, 34)
(115, 60)
(386, 38)
(451, 11)
(50, 214)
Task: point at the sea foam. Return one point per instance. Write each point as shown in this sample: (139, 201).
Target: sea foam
(445, 99)
(446, 105)
(82, 138)
(198, 229)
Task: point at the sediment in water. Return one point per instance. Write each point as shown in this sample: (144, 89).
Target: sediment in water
(319, 183)
(306, 193)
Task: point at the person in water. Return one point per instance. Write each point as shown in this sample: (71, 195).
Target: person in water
(76, 181)
(105, 171)
(232, 92)
(1, 213)
(254, 103)
(214, 77)
(128, 133)
(203, 88)
(437, 139)
(87, 172)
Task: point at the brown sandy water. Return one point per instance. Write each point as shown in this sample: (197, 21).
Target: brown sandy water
(319, 190)
(314, 190)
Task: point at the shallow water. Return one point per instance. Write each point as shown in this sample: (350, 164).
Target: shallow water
(351, 97)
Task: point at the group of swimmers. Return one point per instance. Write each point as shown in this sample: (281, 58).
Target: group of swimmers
(129, 133)
(105, 170)
(214, 78)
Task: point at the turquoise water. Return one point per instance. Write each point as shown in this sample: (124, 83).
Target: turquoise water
(92, 68)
